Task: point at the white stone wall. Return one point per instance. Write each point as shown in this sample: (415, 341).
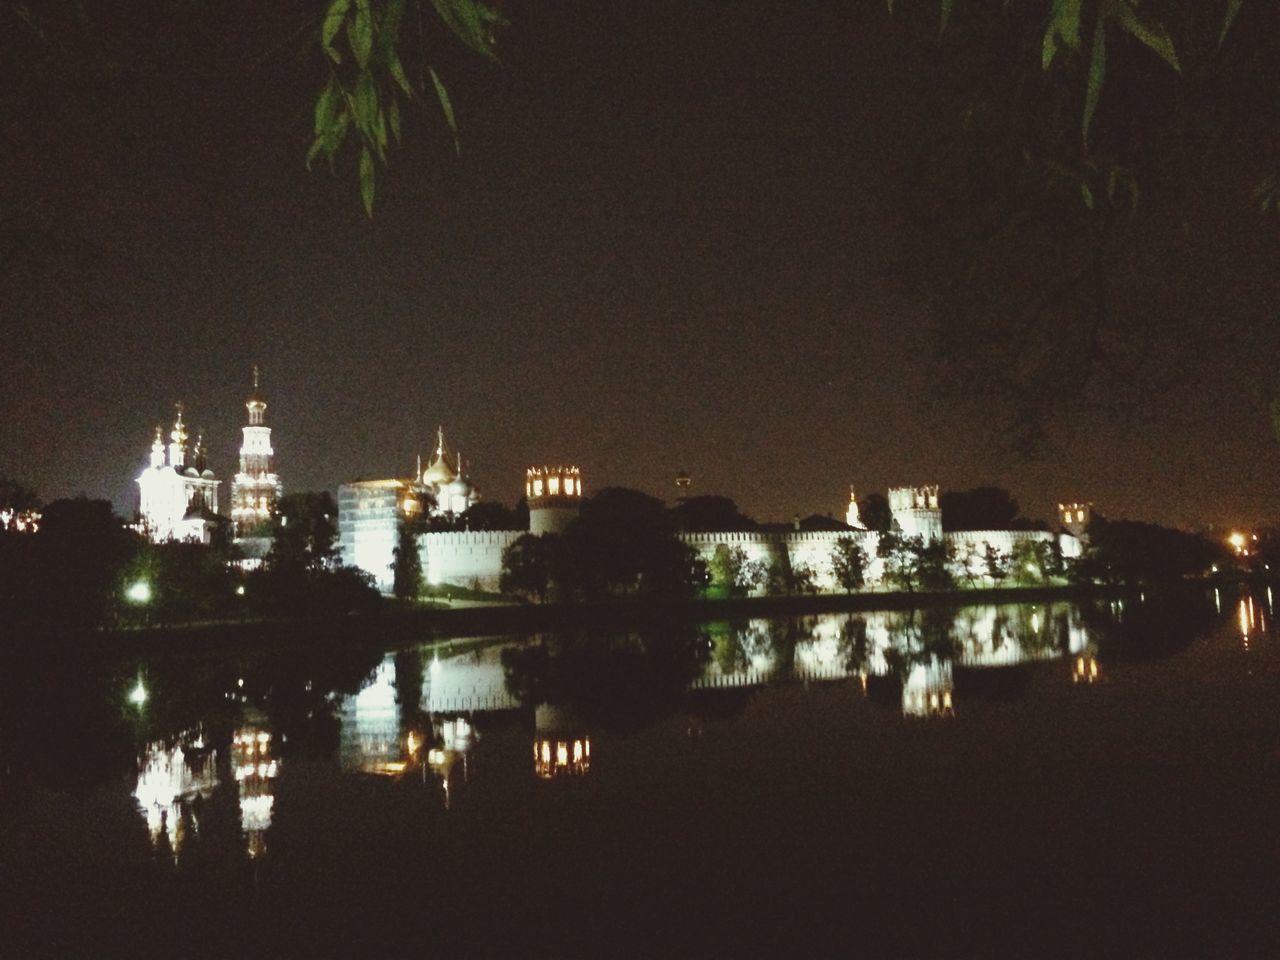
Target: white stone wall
(970, 546)
(811, 549)
(465, 558)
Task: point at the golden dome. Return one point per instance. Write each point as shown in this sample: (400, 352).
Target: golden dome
(438, 472)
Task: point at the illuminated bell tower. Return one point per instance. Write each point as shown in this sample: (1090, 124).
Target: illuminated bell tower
(255, 492)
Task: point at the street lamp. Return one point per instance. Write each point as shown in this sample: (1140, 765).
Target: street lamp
(139, 592)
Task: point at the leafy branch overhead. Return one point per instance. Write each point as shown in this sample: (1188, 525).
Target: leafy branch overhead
(1083, 29)
(368, 88)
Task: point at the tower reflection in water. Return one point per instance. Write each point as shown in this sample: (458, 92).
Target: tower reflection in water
(255, 772)
(448, 759)
(561, 744)
(172, 775)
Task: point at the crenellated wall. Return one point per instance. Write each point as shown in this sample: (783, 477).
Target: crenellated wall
(794, 548)
(465, 558)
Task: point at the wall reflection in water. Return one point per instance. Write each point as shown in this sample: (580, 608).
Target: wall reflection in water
(173, 777)
(417, 715)
(371, 740)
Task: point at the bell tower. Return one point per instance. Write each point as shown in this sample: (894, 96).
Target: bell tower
(255, 492)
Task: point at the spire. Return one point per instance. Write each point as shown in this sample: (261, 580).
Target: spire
(418, 474)
(256, 405)
(178, 439)
(439, 442)
(157, 448)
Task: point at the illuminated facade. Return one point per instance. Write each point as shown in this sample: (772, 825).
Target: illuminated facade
(1075, 517)
(554, 495)
(370, 512)
(177, 500)
(256, 489)
(916, 512)
(851, 516)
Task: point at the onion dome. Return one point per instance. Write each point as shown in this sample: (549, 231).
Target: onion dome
(438, 472)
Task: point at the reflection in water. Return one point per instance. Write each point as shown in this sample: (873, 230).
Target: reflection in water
(1084, 668)
(370, 738)
(170, 780)
(448, 759)
(1251, 620)
(255, 769)
(561, 744)
(928, 690)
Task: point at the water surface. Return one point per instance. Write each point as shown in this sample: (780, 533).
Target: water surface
(1021, 779)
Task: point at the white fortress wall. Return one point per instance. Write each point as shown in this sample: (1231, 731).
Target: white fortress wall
(971, 545)
(465, 558)
(811, 549)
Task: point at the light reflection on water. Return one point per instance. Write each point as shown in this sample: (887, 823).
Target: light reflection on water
(419, 714)
(802, 757)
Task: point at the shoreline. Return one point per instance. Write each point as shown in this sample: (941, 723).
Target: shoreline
(397, 625)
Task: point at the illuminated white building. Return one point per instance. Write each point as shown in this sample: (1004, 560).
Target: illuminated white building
(916, 512)
(256, 489)
(370, 512)
(178, 501)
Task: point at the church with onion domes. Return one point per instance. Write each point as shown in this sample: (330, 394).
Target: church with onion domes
(178, 499)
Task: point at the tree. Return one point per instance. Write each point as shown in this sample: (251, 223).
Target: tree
(873, 510)
(849, 563)
(982, 508)
(710, 514)
(934, 563)
(623, 542)
(305, 531)
(725, 567)
(407, 580)
(1024, 563)
(491, 515)
(1078, 127)
(996, 562)
(899, 554)
(528, 564)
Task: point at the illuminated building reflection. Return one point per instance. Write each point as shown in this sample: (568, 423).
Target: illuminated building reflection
(1084, 668)
(1251, 620)
(170, 778)
(561, 746)
(928, 690)
(370, 739)
(449, 758)
(255, 772)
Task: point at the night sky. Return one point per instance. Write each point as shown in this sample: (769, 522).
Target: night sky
(668, 243)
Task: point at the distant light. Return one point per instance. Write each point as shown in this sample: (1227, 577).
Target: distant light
(240, 682)
(138, 695)
(139, 592)
(240, 590)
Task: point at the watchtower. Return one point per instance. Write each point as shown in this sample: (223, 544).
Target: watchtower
(554, 495)
(916, 512)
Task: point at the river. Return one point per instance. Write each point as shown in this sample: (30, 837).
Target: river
(1032, 779)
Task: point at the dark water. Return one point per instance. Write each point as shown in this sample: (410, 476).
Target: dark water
(1048, 779)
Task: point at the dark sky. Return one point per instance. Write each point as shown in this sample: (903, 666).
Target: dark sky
(667, 243)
